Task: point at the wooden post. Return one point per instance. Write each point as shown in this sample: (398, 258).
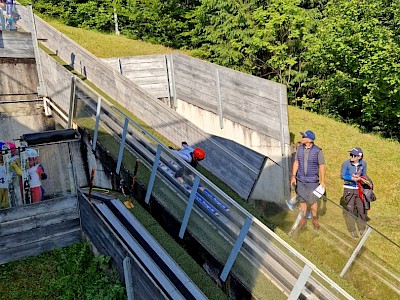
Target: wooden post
(219, 100)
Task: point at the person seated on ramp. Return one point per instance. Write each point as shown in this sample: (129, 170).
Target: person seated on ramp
(191, 155)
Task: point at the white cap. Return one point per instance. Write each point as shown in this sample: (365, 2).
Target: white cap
(31, 152)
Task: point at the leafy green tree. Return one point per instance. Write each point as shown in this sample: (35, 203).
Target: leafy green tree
(282, 30)
(158, 21)
(354, 63)
(219, 32)
(95, 15)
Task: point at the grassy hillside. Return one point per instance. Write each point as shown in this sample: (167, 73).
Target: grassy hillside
(109, 45)
(382, 156)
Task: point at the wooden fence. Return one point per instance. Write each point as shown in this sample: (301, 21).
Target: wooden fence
(150, 72)
(248, 100)
(32, 229)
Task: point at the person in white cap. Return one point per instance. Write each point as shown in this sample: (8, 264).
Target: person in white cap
(308, 173)
(351, 172)
(36, 175)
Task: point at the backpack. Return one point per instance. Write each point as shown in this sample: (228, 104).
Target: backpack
(368, 188)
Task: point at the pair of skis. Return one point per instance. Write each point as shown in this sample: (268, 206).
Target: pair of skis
(8, 180)
(199, 198)
(11, 176)
(26, 188)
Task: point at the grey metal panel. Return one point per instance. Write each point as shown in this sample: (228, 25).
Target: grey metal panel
(94, 226)
(137, 249)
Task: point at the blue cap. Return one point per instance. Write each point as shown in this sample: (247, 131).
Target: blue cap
(356, 151)
(308, 134)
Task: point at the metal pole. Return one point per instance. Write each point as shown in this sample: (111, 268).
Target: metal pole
(356, 250)
(122, 146)
(71, 102)
(285, 169)
(130, 292)
(168, 83)
(96, 128)
(189, 206)
(153, 174)
(42, 87)
(300, 283)
(119, 66)
(236, 248)
(175, 101)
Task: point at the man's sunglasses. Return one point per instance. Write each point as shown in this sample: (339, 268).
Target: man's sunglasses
(353, 155)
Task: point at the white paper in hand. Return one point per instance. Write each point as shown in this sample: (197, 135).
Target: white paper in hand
(319, 191)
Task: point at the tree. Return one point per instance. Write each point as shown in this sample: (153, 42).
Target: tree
(220, 32)
(354, 63)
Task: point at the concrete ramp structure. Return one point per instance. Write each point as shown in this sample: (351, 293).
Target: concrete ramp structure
(247, 171)
(21, 108)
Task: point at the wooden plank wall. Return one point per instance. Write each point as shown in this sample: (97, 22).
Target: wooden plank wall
(149, 72)
(221, 161)
(253, 102)
(14, 44)
(248, 100)
(107, 243)
(32, 229)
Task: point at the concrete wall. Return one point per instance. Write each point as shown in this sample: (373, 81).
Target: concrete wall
(19, 79)
(15, 44)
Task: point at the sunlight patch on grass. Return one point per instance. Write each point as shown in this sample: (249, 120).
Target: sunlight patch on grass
(106, 45)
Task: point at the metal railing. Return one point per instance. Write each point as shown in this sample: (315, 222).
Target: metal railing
(246, 247)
